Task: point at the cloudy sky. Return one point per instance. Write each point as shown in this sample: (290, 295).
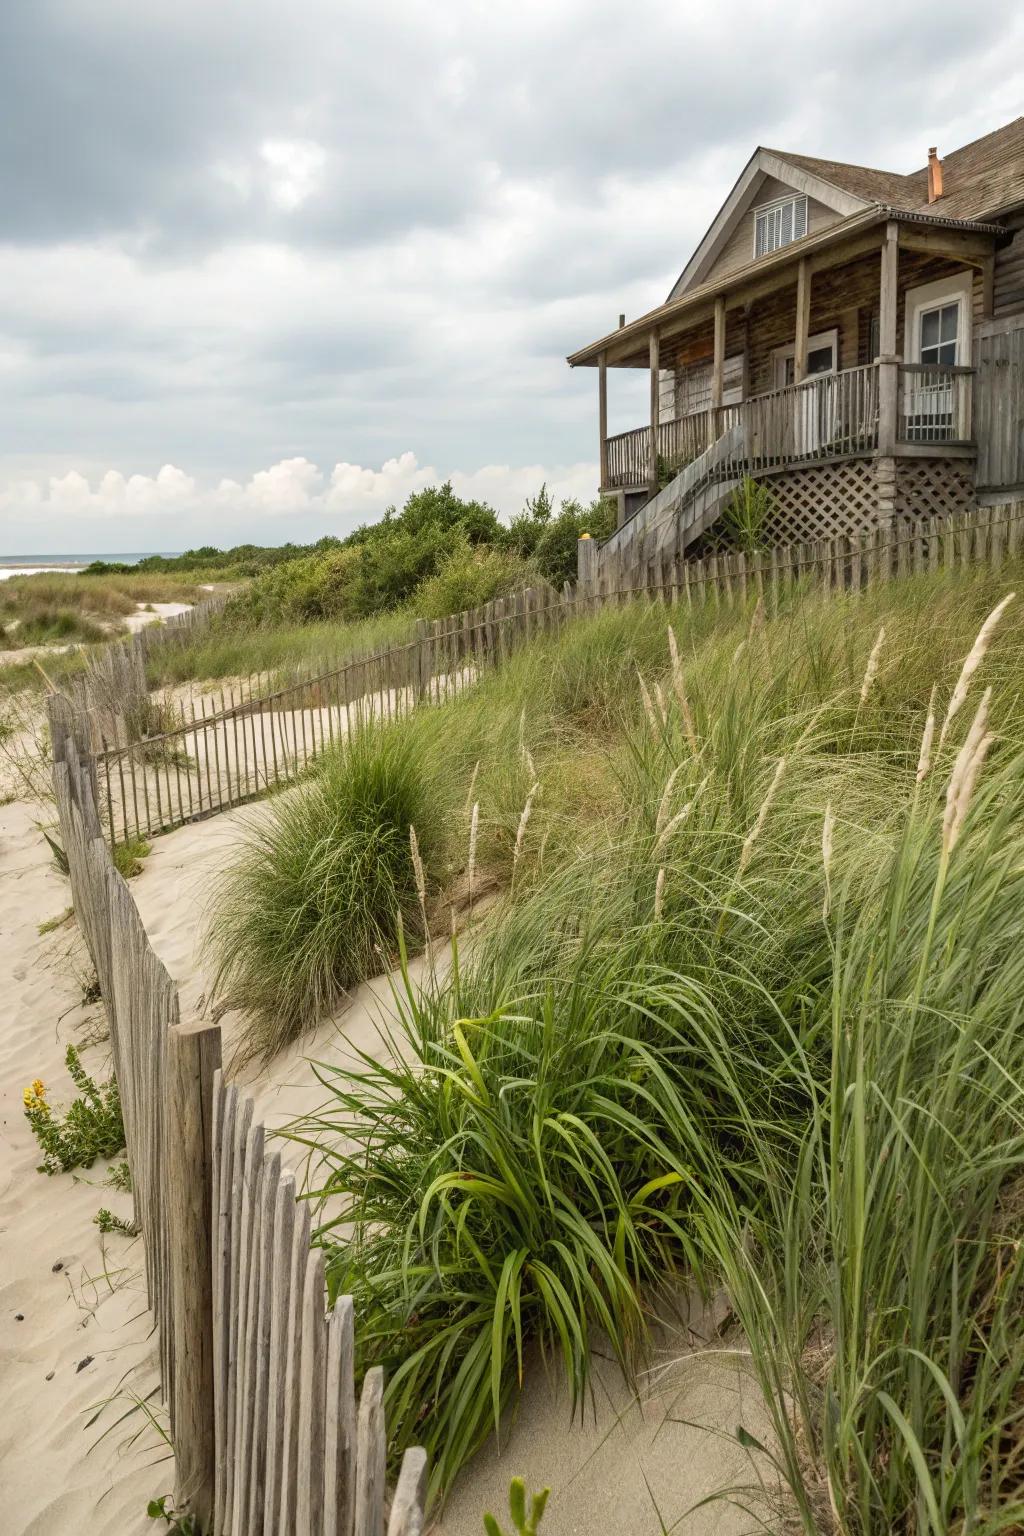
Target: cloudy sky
(265, 267)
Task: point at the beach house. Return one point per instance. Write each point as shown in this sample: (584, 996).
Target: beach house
(852, 338)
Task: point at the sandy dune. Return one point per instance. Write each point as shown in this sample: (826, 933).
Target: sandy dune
(74, 1331)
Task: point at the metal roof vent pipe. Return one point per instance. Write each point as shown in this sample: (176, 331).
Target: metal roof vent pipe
(934, 175)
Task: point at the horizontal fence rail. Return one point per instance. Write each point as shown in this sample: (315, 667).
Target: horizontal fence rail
(257, 1376)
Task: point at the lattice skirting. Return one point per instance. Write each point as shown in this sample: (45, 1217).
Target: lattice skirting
(821, 501)
(933, 488)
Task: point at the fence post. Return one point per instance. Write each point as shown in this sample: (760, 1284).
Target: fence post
(193, 1056)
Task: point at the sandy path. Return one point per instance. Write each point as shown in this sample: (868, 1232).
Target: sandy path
(85, 1336)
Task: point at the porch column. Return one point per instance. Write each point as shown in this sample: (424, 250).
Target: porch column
(718, 369)
(602, 416)
(888, 362)
(655, 412)
(803, 320)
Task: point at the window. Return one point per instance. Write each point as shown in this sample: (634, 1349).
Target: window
(779, 224)
(822, 357)
(938, 322)
(939, 331)
(693, 385)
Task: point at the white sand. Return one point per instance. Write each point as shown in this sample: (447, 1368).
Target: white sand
(50, 1479)
(85, 1335)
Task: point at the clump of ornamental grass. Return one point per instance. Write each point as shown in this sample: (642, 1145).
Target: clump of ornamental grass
(312, 902)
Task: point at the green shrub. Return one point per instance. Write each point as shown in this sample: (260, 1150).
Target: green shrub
(90, 1128)
(469, 576)
(311, 904)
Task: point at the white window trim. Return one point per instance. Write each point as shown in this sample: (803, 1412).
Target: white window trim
(945, 290)
(780, 355)
(780, 202)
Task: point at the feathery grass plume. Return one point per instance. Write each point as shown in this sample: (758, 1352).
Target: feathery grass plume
(652, 718)
(420, 878)
(924, 757)
(827, 833)
(871, 670)
(757, 618)
(671, 827)
(666, 800)
(965, 773)
(679, 687)
(971, 664)
(659, 894)
(472, 786)
(752, 836)
(524, 822)
(738, 652)
(659, 698)
(524, 751)
(474, 828)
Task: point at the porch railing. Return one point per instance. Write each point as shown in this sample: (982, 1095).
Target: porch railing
(829, 416)
(934, 404)
(679, 443)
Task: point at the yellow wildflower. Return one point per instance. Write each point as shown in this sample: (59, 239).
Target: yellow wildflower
(39, 1088)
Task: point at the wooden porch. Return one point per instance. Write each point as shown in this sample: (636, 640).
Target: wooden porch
(827, 417)
(819, 343)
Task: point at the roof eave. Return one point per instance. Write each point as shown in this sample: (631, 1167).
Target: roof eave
(877, 213)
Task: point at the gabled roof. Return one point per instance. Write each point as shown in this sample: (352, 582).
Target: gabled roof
(980, 180)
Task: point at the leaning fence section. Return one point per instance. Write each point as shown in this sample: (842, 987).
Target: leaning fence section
(257, 1375)
(241, 742)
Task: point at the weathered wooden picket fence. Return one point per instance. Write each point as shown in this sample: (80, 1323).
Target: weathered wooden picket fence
(257, 1376)
(246, 739)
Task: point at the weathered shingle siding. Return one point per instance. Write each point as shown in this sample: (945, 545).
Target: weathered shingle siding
(1009, 272)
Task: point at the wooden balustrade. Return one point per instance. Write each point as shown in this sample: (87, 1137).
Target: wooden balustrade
(934, 404)
(831, 415)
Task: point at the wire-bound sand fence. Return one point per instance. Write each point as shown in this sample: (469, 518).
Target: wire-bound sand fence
(256, 1375)
(246, 740)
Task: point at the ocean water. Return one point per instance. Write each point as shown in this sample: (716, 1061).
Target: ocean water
(34, 565)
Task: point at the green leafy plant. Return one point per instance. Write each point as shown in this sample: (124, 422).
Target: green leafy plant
(746, 514)
(108, 1222)
(523, 1524)
(91, 1127)
(178, 1522)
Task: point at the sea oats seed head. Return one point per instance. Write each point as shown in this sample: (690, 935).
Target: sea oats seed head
(871, 670)
(652, 718)
(752, 836)
(666, 799)
(924, 757)
(679, 688)
(971, 664)
(524, 822)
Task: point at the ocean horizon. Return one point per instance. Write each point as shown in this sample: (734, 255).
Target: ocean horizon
(67, 561)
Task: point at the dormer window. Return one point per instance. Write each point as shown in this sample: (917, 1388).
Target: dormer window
(778, 224)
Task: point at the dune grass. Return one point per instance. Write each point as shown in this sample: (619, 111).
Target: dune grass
(226, 648)
(747, 1010)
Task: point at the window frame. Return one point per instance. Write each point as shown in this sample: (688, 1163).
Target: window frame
(777, 204)
(957, 289)
(781, 355)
